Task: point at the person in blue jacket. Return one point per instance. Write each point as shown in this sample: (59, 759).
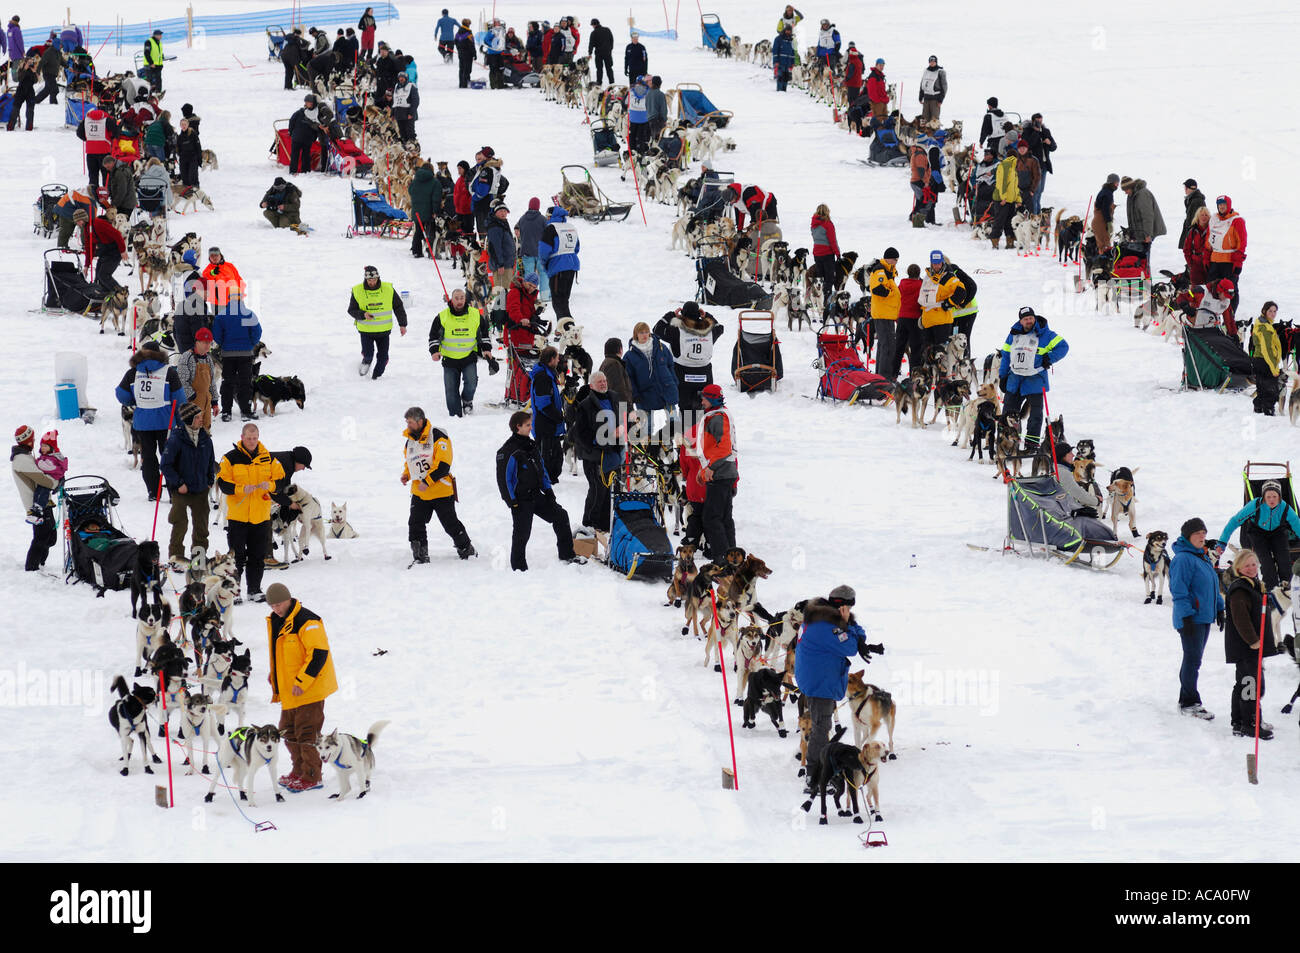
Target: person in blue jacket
(1198, 601)
(1029, 350)
(153, 388)
(548, 410)
(828, 45)
(446, 28)
(189, 466)
(638, 115)
(236, 330)
(651, 373)
(831, 636)
(783, 58)
(1264, 526)
(558, 250)
(526, 488)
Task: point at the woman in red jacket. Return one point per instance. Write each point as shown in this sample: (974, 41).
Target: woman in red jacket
(826, 250)
(854, 73)
(909, 313)
(461, 200)
(1196, 248)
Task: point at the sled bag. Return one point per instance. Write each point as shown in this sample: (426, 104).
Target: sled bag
(66, 287)
(638, 545)
(720, 286)
(105, 558)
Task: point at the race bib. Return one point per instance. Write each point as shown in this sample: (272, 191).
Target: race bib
(1022, 357)
(566, 239)
(149, 389)
(697, 350)
(419, 460)
(929, 295)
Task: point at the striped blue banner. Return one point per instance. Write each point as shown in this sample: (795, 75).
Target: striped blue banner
(324, 16)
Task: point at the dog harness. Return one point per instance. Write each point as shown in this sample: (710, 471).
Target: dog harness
(349, 767)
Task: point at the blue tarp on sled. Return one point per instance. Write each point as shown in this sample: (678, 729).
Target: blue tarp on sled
(695, 108)
(638, 543)
(711, 30)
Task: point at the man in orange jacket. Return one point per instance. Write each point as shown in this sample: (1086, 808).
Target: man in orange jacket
(301, 677)
(221, 279)
(1227, 246)
(716, 450)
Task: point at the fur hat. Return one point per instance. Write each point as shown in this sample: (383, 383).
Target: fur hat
(1126, 183)
(24, 436)
(189, 412)
(1193, 525)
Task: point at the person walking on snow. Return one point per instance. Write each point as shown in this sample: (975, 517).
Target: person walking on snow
(1197, 601)
(1031, 348)
(458, 336)
(783, 58)
(433, 489)
(372, 305)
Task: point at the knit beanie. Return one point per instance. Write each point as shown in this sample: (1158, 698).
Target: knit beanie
(1193, 525)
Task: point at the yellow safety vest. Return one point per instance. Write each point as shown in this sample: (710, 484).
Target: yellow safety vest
(459, 332)
(972, 307)
(155, 57)
(377, 303)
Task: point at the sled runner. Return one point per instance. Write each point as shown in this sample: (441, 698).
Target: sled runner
(372, 215)
(585, 199)
(695, 108)
(1040, 520)
(844, 376)
(756, 357)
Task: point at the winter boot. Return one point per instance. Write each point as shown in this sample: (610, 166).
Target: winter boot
(466, 551)
(419, 551)
(996, 241)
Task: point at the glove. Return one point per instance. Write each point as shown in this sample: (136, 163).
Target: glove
(1220, 619)
(493, 365)
(1047, 361)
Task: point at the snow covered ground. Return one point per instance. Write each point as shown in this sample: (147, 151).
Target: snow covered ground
(559, 714)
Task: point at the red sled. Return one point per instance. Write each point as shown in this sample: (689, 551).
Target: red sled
(844, 376)
(345, 156)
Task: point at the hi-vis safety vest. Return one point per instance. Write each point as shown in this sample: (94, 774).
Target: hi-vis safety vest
(1023, 353)
(149, 388)
(155, 53)
(566, 238)
(378, 305)
(971, 307)
(459, 332)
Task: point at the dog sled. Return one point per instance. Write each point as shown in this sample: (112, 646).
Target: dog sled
(274, 42)
(717, 284)
(604, 143)
(521, 357)
(843, 375)
(1255, 475)
(586, 200)
(95, 549)
(373, 215)
(886, 148)
(75, 108)
(1214, 361)
(66, 287)
(711, 199)
(695, 109)
(711, 30)
(44, 220)
(1040, 521)
(638, 542)
(756, 356)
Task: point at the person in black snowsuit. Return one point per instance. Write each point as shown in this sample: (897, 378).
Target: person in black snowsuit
(690, 333)
(466, 51)
(291, 55)
(636, 62)
(27, 73)
(600, 46)
(304, 128)
(960, 299)
(526, 488)
(189, 152)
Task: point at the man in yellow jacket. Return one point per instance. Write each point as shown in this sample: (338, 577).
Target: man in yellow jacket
(433, 489)
(936, 300)
(882, 286)
(246, 475)
(1006, 196)
(302, 677)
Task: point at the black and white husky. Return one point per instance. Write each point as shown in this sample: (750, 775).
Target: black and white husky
(152, 621)
(248, 749)
(349, 755)
(200, 724)
(234, 687)
(127, 716)
(1155, 566)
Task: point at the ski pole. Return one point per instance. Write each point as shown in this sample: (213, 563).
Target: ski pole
(726, 695)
